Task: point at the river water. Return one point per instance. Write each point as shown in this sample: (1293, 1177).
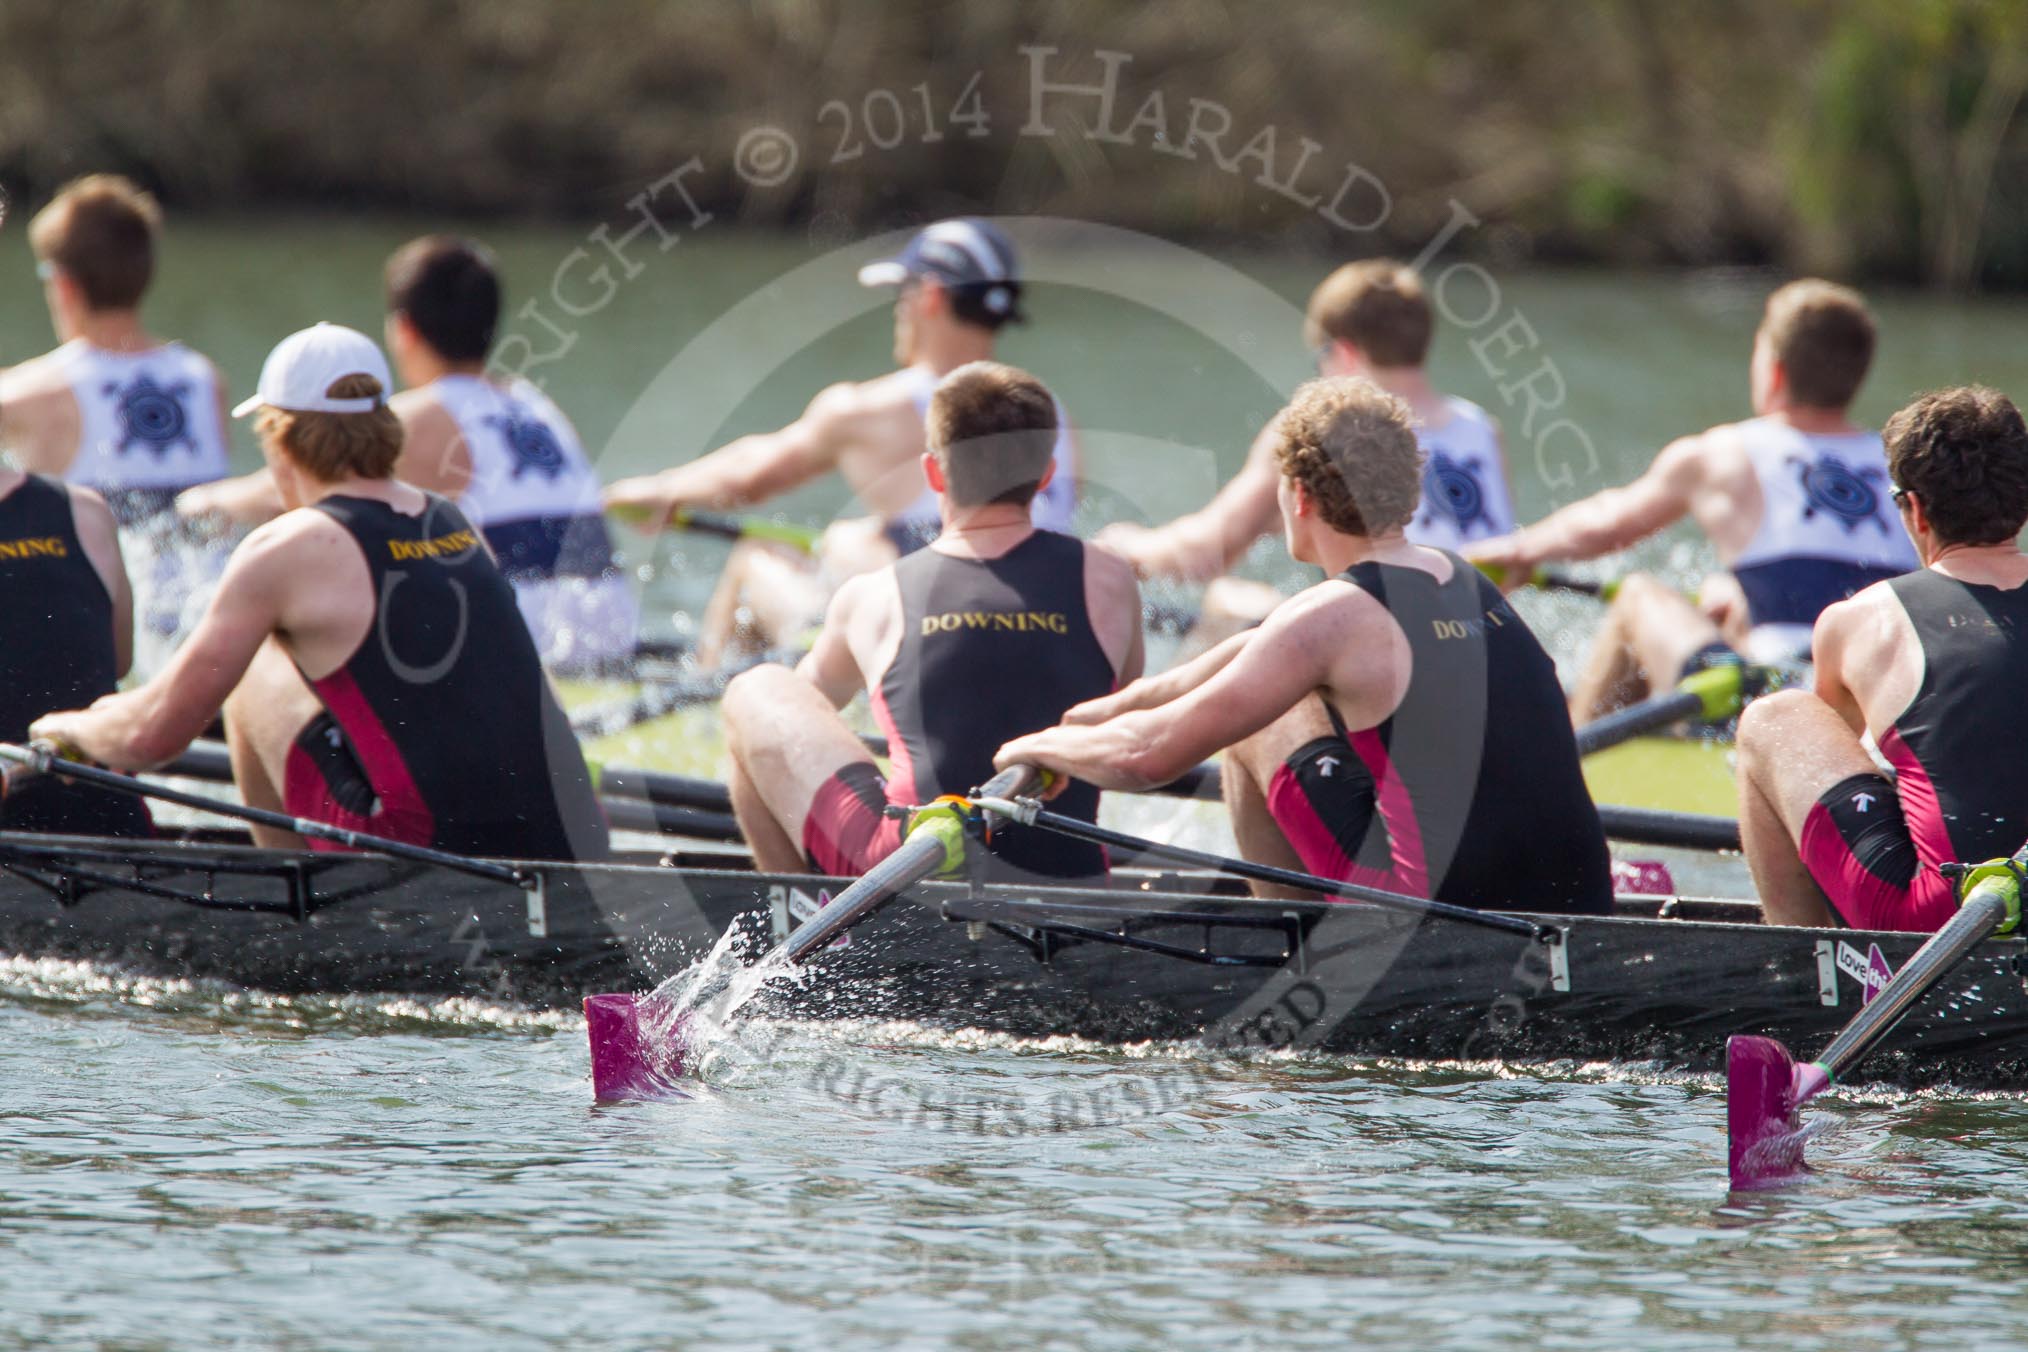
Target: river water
(184, 1164)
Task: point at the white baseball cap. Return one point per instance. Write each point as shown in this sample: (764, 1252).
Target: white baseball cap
(306, 364)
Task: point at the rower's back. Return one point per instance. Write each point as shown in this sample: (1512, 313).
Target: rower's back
(57, 651)
(1479, 789)
(445, 704)
(992, 649)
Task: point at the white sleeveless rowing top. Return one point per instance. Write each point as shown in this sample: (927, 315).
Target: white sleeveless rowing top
(531, 481)
(535, 497)
(149, 424)
(1464, 485)
(1828, 529)
(1054, 508)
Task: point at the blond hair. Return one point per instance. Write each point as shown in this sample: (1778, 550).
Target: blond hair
(331, 447)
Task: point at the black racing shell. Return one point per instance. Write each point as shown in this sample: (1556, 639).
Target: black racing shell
(992, 649)
(445, 703)
(56, 652)
(1961, 775)
(1482, 748)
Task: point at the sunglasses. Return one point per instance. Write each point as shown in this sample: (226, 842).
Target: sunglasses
(45, 271)
(1900, 495)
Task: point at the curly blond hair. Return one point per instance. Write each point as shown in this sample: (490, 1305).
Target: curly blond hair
(1351, 447)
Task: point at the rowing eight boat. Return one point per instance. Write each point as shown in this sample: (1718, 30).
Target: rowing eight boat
(1166, 956)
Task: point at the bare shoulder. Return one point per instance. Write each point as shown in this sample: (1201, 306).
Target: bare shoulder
(89, 507)
(409, 405)
(36, 380)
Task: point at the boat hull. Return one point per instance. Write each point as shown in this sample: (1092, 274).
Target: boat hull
(1668, 984)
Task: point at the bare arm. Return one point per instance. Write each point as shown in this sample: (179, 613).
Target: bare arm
(434, 456)
(830, 665)
(1286, 659)
(749, 470)
(1151, 691)
(1201, 545)
(150, 724)
(99, 535)
(1607, 521)
(246, 500)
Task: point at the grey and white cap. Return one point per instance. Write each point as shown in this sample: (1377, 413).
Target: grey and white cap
(964, 251)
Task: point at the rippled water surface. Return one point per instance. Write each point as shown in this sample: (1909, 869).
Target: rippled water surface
(183, 1165)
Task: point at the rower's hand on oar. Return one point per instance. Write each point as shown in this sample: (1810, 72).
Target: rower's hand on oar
(1504, 560)
(641, 502)
(1034, 750)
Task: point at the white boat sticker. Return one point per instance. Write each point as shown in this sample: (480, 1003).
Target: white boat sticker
(1869, 969)
(802, 906)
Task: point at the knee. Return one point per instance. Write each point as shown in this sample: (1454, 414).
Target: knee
(752, 695)
(1769, 721)
(1640, 591)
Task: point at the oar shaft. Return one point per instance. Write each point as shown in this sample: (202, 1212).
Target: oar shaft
(1623, 725)
(43, 763)
(1680, 830)
(922, 854)
(1982, 913)
(1281, 877)
(745, 528)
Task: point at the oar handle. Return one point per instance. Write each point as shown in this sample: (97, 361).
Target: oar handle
(727, 527)
(935, 844)
(1992, 899)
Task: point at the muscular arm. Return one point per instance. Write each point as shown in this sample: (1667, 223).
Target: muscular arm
(1201, 545)
(831, 665)
(1289, 657)
(150, 724)
(1152, 691)
(39, 422)
(747, 471)
(1607, 521)
(434, 456)
(99, 535)
(246, 500)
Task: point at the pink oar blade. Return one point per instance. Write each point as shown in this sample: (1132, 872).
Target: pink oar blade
(632, 1058)
(1763, 1089)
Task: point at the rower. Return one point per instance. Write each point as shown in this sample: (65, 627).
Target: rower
(992, 631)
(378, 672)
(1396, 725)
(66, 637)
(1371, 319)
(500, 449)
(957, 284)
(1928, 667)
(116, 408)
(1794, 501)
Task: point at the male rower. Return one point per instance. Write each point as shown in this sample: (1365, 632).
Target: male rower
(372, 664)
(1395, 725)
(500, 449)
(1794, 501)
(957, 284)
(115, 408)
(993, 630)
(1932, 668)
(66, 637)
(1371, 319)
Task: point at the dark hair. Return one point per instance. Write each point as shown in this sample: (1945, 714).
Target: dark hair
(1378, 306)
(1963, 454)
(449, 290)
(993, 429)
(987, 305)
(1351, 447)
(1823, 336)
(101, 231)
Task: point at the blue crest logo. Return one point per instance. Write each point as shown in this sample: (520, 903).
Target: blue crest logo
(1453, 491)
(531, 443)
(152, 415)
(1851, 497)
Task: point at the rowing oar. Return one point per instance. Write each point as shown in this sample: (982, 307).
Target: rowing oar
(630, 1062)
(1764, 1087)
(803, 538)
(1711, 695)
(40, 758)
(634, 800)
(1555, 579)
(660, 698)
